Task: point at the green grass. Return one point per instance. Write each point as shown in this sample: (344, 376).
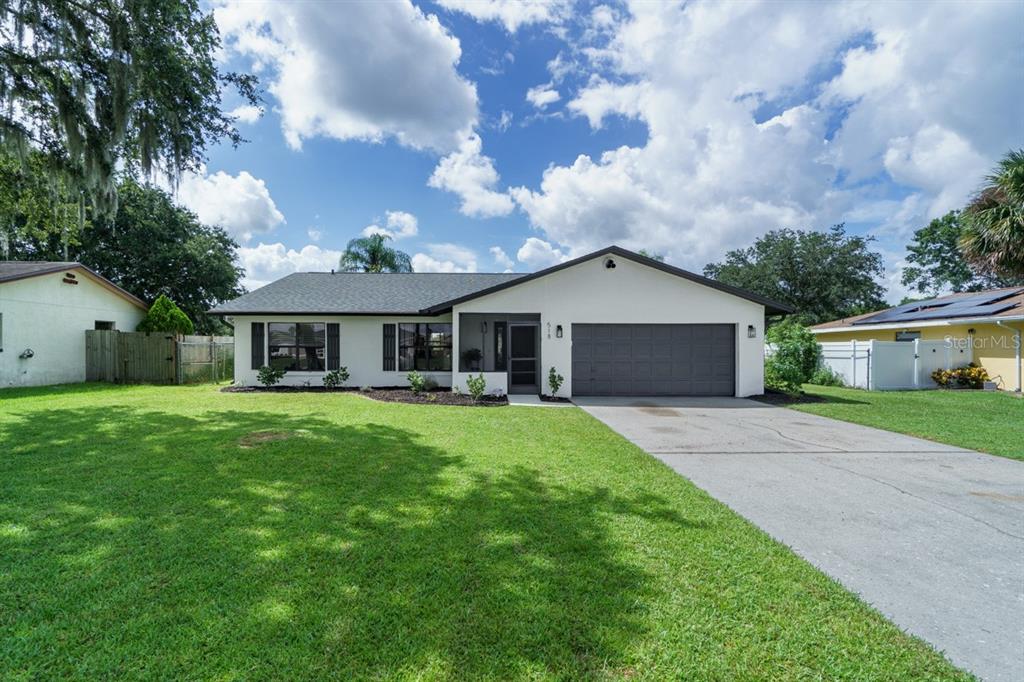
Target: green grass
(979, 420)
(144, 534)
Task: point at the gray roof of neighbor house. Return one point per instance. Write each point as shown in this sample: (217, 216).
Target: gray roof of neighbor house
(11, 270)
(360, 293)
(20, 269)
(357, 293)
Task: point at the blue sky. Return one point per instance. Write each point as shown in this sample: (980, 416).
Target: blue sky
(495, 135)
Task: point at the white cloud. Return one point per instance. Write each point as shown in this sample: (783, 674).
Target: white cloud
(368, 71)
(445, 258)
(512, 13)
(542, 95)
(398, 225)
(265, 263)
(918, 98)
(246, 113)
(472, 176)
(505, 120)
(501, 258)
(314, 234)
(538, 254)
(241, 204)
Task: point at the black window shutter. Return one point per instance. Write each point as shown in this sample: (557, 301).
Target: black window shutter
(333, 346)
(389, 348)
(257, 345)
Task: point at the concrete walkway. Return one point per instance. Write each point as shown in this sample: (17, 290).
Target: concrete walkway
(930, 535)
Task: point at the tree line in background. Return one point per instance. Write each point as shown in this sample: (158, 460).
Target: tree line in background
(832, 275)
(150, 246)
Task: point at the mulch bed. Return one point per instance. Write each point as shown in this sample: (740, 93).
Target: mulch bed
(779, 398)
(553, 399)
(440, 396)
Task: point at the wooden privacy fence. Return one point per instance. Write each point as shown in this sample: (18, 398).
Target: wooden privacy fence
(157, 358)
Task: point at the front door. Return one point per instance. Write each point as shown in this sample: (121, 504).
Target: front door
(524, 358)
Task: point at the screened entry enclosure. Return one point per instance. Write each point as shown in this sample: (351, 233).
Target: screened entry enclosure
(297, 346)
(501, 343)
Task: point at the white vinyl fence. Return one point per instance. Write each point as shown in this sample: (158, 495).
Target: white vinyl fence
(893, 365)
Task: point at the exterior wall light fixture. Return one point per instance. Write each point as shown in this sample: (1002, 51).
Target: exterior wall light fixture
(751, 331)
(558, 331)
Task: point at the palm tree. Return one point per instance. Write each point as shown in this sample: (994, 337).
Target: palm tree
(993, 238)
(372, 254)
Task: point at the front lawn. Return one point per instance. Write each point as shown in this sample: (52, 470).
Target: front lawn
(185, 533)
(979, 420)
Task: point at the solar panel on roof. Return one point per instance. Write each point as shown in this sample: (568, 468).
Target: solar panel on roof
(976, 305)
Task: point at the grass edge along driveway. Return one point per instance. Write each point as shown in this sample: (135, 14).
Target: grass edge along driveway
(987, 421)
(183, 532)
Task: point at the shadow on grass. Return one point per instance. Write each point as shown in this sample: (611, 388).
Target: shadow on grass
(255, 543)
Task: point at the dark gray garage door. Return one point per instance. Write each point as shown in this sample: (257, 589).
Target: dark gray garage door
(653, 359)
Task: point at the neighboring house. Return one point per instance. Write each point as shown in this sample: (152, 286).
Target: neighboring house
(988, 323)
(45, 309)
(612, 323)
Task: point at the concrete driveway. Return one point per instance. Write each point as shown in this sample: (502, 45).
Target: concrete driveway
(930, 535)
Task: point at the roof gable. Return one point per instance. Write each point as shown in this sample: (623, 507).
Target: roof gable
(11, 270)
(771, 307)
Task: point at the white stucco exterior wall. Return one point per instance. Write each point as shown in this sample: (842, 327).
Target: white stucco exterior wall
(50, 317)
(630, 293)
(361, 339)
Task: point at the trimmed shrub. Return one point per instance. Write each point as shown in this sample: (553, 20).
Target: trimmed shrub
(336, 378)
(268, 376)
(968, 376)
(795, 356)
(417, 382)
(476, 385)
(165, 316)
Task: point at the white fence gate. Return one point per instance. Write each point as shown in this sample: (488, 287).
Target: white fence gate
(893, 365)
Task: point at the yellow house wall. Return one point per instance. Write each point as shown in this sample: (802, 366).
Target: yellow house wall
(994, 347)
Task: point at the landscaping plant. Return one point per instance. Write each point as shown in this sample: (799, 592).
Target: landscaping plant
(269, 376)
(794, 358)
(554, 381)
(826, 376)
(165, 316)
(336, 378)
(476, 385)
(417, 382)
(968, 376)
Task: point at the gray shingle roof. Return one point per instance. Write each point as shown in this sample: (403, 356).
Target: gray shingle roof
(360, 293)
(19, 269)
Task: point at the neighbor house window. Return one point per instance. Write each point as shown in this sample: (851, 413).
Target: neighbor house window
(296, 346)
(425, 347)
(103, 325)
(908, 336)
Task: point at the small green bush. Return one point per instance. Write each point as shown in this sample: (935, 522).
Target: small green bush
(826, 376)
(336, 378)
(165, 316)
(476, 385)
(417, 382)
(554, 381)
(268, 376)
(794, 357)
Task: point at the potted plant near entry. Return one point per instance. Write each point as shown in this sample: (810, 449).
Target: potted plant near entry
(471, 357)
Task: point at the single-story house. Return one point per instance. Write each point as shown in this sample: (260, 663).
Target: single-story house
(611, 323)
(45, 309)
(989, 324)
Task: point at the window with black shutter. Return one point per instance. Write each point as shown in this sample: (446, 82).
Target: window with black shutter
(333, 346)
(257, 345)
(389, 347)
